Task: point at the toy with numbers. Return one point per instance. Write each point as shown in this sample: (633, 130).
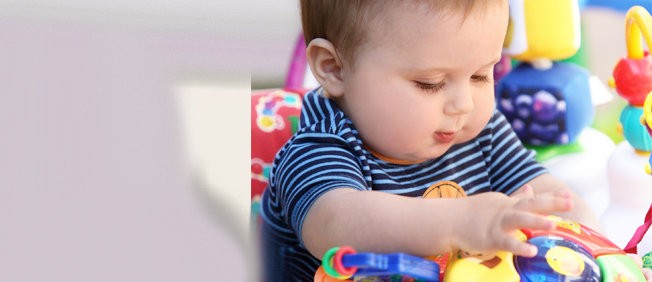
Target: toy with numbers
(572, 252)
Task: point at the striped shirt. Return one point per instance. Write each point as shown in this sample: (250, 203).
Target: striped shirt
(327, 153)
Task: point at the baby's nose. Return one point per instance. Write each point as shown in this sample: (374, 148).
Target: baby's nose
(461, 103)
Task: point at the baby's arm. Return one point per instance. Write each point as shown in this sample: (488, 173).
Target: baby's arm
(372, 221)
(582, 213)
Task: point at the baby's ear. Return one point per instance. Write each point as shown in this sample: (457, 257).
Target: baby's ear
(326, 66)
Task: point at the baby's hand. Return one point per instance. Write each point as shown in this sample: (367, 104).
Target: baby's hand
(646, 271)
(494, 218)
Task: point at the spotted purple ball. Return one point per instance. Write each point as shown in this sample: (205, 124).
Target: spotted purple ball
(537, 142)
(520, 128)
(544, 132)
(506, 106)
(544, 107)
(562, 138)
(523, 104)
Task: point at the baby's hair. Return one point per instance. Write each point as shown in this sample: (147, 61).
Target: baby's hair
(345, 23)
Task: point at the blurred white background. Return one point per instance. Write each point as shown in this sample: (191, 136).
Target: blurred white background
(125, 137)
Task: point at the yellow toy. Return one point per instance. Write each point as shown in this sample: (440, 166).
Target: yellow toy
(463, 266)
(565, 223)
(565, 261)
(539, 29)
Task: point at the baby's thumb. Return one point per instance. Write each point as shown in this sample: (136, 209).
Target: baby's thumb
(637, 260)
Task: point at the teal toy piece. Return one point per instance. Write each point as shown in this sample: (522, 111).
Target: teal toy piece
(546, 107)
(633, 131)
(647, 260)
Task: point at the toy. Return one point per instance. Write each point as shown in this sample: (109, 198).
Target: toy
(549, 103)
(632, 78)
(531, 35)
(546, 102)
(629, 184)
(572, 252)
(549, 106)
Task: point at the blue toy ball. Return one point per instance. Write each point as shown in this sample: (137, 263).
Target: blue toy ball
(558, 259)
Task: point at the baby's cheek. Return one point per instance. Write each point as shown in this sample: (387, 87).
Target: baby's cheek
(478, 122)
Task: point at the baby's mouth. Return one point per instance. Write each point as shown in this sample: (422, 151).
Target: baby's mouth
(445, 137)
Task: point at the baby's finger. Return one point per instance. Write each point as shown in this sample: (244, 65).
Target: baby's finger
(526, 220)
(647, 273)
(559, 194)
(524, 192)
(637, 260)
(545, 204)
(517, 247)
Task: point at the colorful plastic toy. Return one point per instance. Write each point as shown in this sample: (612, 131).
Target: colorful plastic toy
(533, 34)
(632, 78)
(629, 184)
(546, 106)
(634, 130)
(558, 259)
(546, 102)
(572, 252)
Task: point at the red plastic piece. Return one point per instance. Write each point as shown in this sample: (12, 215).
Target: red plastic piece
(595, 243)
(442, 261)
(634, 78)
(337, 261)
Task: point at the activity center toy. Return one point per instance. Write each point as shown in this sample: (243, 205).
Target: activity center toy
(546, 102)
(632, 78)
(571, 252)
(550, 103)
(630, 191)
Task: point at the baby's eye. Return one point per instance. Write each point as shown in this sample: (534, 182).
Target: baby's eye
(430, 87)
(481, 78)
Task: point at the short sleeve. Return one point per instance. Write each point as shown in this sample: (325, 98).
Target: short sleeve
(511, 165)
(310, 165)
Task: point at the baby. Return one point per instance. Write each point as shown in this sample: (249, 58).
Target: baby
(406, 101)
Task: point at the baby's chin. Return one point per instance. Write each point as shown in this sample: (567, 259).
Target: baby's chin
(437, 149)
(432, 152)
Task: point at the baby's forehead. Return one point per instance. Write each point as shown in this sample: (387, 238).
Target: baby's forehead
(394, 21)
(390, 21)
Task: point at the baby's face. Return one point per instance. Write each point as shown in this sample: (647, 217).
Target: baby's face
(426, 81)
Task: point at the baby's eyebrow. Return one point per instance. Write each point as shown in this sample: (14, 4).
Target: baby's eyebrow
(444, 69)
(494, 61)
